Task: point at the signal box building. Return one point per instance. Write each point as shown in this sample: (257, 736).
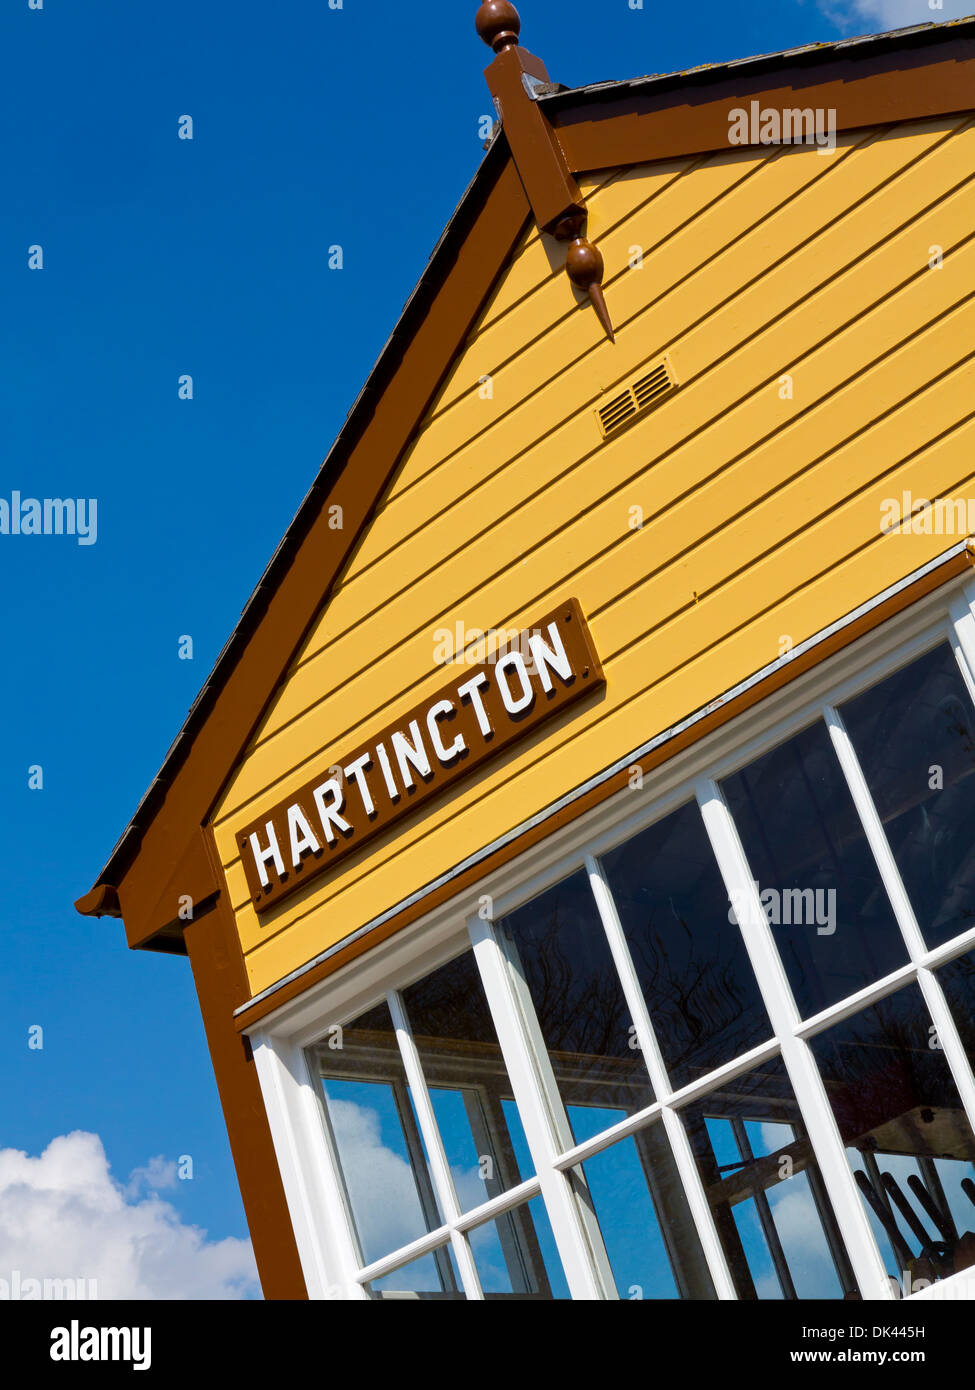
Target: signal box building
(574, 845)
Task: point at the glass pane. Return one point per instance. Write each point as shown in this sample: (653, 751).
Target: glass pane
(704, 1003)
(830, 914)
(431, 1276)
(913, 734)
(907, 1136)
(958, 982)
(638, 1201)
(769, 1204)
(516, 1255)
(557, 945)
(468, 1082)
(381, 1155)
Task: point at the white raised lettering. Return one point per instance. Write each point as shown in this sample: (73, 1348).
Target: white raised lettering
(356, 771)
(514, 704)
(261, 856)
(443, 709)
(387, 772)
(307, 840)
(471, 691)
(410, 755)
(329, 814)
(545, 656)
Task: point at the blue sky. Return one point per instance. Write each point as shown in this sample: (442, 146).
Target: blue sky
(163, 257)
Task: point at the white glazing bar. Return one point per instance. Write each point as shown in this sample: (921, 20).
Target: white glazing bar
(439, 1167)
(803, 1074)
(316, 1202)
(337, 1224)
(875, 833)
(406, 1254)
(951, 1044)
(738, 1066)
(686, 1165)
(941, 955)
(571, 1239)
(498, 1206)
(854, 1003)
(962, 634)
(579, 1153)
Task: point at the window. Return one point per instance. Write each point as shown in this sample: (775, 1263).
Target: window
(687, 951)
(906, 1133)
(574, 1006)
(834, 926)
(374, 1115)
(913, 735)
(718, 1046)
(770, 1207)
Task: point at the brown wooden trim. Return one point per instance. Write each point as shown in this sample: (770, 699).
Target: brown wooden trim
(319, 559)
(221, 986)
(635, 126)
(958, 564)
(102, 901)
(550, 188)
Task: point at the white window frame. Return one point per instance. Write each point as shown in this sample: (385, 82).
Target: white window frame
(323, 1228)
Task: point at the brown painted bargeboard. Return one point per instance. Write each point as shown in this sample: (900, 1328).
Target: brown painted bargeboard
(481, 712)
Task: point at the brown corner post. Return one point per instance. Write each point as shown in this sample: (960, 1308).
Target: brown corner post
(559, 208)
(221, 985)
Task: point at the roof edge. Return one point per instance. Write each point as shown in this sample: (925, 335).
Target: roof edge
(864, 46)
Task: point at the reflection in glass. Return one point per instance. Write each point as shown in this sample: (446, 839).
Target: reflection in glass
(906, 1134)
(432, 1276)
(557, 946)
(958, 982)
(913, 735)
(468, 1082)
(374, 1130)
(768, 1200)
(516, 1255)
(688, 951)
(830, 914)
(638, 1200)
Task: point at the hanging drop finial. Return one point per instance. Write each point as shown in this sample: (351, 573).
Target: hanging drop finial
(515, 77)
(584, 266)
(499, 24)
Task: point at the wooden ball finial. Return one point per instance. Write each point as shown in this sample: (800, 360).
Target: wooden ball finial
(584, 266)
(584, 263)
(498, 23)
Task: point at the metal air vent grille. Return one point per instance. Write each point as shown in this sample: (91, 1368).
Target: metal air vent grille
(638, 396)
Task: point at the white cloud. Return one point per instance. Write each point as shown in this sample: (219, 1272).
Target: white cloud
(159, 1172)
(380, 1182)
(873, 16)
(63, 1216)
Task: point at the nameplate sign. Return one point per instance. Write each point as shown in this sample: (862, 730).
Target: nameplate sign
(477, 714)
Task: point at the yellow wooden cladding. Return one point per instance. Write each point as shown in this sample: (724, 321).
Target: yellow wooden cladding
(818, 311)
